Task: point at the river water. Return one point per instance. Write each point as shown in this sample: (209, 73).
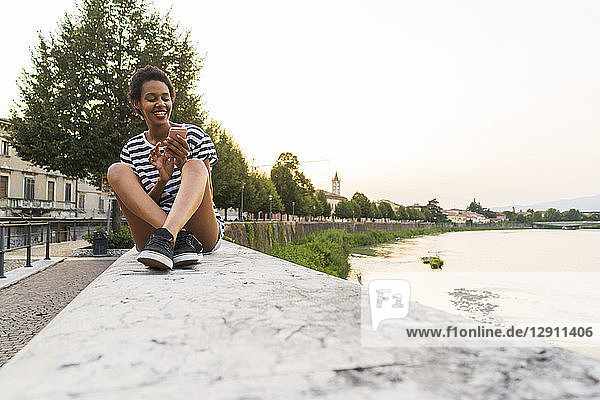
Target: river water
(521, 277)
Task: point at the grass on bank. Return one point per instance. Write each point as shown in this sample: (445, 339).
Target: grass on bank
(327, 251)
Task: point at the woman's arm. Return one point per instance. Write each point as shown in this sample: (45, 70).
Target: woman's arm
(157, 190)
(165, 166)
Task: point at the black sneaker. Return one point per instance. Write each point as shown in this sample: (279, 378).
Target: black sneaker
(158, 252)
(188, 250)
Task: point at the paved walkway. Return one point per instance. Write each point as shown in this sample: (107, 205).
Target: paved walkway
(16, 258)
(27, 306)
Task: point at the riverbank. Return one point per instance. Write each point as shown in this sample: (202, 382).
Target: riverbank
(328, 251)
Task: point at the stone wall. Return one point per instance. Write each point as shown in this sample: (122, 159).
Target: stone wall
(246, 325)
(263, 235)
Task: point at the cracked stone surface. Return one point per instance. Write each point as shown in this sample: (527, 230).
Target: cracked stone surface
(246, 325)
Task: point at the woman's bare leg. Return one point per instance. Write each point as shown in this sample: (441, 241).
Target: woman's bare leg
(132, 196)
(192, 208)
(140, 229)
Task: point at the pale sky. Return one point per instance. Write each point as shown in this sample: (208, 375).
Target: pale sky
(408, 100)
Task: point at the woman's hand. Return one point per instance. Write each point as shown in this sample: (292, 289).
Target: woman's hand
(178, 149)
(162, 163)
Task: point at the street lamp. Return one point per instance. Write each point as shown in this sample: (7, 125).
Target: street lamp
(293, 211)
(270, 207)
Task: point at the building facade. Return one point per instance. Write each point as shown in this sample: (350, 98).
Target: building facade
(333, 197)
(27, 190)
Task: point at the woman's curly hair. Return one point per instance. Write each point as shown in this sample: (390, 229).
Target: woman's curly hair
(142, 75)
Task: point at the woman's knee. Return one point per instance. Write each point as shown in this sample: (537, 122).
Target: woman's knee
(117, 171)
(195, 166)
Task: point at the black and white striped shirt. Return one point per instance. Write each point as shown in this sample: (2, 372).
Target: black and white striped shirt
(137, 149)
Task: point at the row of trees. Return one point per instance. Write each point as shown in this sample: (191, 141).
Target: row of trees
(361, 207)
(550, 215)
(286, 189)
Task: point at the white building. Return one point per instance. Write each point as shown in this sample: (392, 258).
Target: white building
(333, 197)
(28, 190)
(462, 216)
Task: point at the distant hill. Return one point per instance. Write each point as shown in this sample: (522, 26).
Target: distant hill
(590, 203)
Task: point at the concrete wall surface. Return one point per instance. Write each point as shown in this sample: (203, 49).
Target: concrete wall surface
(246, 325)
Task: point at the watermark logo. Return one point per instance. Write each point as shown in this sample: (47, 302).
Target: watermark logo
(389, 299)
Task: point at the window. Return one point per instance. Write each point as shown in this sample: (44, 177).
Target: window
(3, 186)
(50, 191)
(101, 203)
(4, 150)
(82, 200)
(67, 192)
(29, 188)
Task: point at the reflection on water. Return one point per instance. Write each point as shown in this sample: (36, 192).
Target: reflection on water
(501, 277)
(475, 303)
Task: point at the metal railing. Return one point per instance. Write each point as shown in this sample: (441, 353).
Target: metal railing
(16, 235)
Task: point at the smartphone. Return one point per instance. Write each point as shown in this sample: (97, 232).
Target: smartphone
(174, 130)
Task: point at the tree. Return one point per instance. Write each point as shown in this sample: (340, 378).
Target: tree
(386, 211)
(375, 214)
(401, 213)
(477, 208)
(537, 216)
(415, 214)
(256, 195)
(364, 204)
(356, 209)
(73, 115)
(292, 185)
(325, 206)
(231, 171)
(572, 215)
(552, 215)
(433, 212)
(344, 209)
(306, 205)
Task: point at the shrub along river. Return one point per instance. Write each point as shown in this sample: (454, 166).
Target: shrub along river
(528, 277)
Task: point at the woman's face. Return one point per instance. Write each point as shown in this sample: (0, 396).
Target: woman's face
(155, 103)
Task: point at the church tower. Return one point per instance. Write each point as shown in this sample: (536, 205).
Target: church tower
(335, 184)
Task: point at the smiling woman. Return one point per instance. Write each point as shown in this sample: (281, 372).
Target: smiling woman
(163, 182)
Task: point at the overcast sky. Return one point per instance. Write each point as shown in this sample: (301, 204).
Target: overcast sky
(408, 100)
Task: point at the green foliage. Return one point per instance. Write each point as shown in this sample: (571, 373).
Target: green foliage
(402, 213)
(256, 194)
(550, 215)
(572, 215)
(477, 208)
(325, 206)
(121, 239)
(433, 212)
(386, 211)
(347, 209)
(73, 114)
(231, 172)
(364, 204)
(327, 251)
(250, 233)
(435, 263)
(293, 186)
